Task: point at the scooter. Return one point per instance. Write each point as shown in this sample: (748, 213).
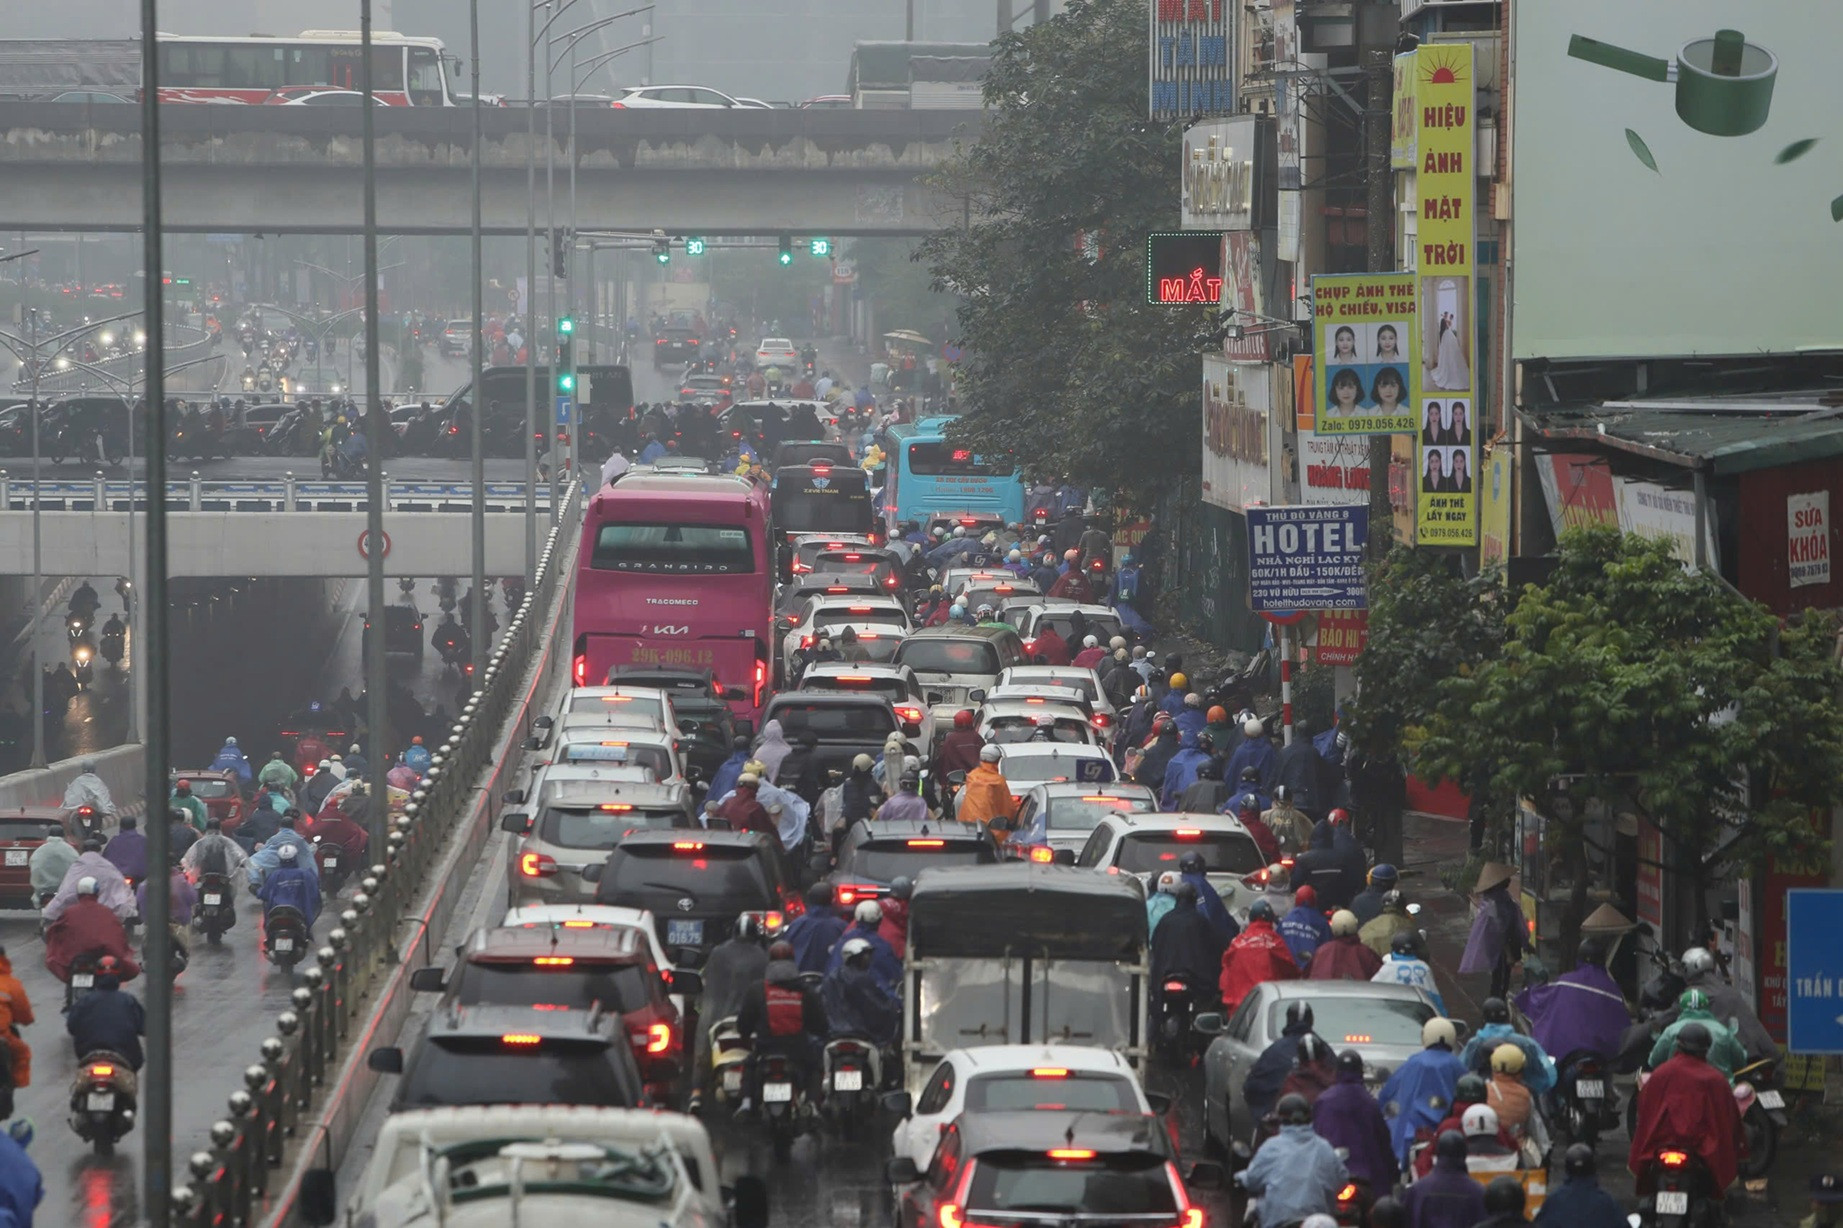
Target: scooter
(333, 870)
(102, 1101)
(1177, 1006)
(1583, 1096)
(83, 661)
(82, 977)
(285, 936)
(217, 906)
(1762, 1105)
(853, 1075)
(729, 1059)
(1680, 1195)
(114, 647)
(782, 1101)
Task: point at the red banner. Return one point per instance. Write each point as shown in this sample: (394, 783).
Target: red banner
(1342, 635)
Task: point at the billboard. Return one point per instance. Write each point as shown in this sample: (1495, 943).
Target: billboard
(1446, 183)
(1363, 340)
(1241, 291)
(1307, 558)
(1288, 128)
(1192, 58)
(1225, 179)
(1667, 198)
(1237, 422)
(1183, 267)
(1403, 125)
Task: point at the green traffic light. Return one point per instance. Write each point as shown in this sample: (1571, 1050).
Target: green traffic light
(663, 256)
(566, 382)
(566, 325)
(786, 258)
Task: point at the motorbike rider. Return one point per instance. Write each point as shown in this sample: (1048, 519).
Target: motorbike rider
(1505, 1092)
(88, 789)
(87, 926)
(1185, 944)
(781, 1015)
(1295, 1173)
(857, 1002)
(1826, 1202)
(268, 858)
(1194, 750)
(1256, 955)
(216, 853)
(451, 641)
(1418, 1094)
(735, 964)
(1379, 934)
(1344, 958)
(182, 799)
(1726, 1053)
(127, 850)
(894, 928)
(291, 885)
(1488, 1144)
(1304, 927)
(277, 773)
(1468, 1094)
(1267, 1075)
(1446, 1196)
(1688, 1105)
(816, 931)
(231, 759)
(1290, 825)
(985, 798)
(1193, 869)
(51, 861)
(1367, 904)
(866, 921)
(1579, 1202)
(1404, 966)
(1347, 1116)
(333, 826)
(1582, 1011)
(1256, 749)
(106, 1020)
(416, 755)
(182, 900)
(1539, 1067)
(111, 888)
(84, 602)
(1320, 866)
(1726, 1003)
(1504, 1203)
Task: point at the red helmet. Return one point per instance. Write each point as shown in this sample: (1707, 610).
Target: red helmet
(963, 719)
(1337, 816)
(108, 965)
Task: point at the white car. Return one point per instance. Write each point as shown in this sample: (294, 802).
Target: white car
(776, 352)
(885, 619)
(1024, 764)
(1036, 721)
(1149, 844)
(332, 98)
(633, 701)
(1019, 1078)
(600, 916)
(595, 739)
(689, 96)
(1062, 815)
(1084, 680)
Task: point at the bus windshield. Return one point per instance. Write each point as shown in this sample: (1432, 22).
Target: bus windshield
(677, 549)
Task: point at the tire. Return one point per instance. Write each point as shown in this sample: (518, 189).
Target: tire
(782, 1139)
(1762, 1135)
(102, 1144)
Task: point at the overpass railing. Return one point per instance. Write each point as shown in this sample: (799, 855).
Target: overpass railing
(289, 494)
(292, 1068)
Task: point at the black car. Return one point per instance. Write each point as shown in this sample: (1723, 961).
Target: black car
(696, 883)
(516, 1055)
(402, 632)
(672, 345)
(875, 852)
(845, 723)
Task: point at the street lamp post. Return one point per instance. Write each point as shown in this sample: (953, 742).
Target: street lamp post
(481, 640)
(376, 430)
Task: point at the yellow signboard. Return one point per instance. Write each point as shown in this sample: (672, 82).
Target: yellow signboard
(1494, 506)
(1364, 342)
(1403, 123)
(1445, 479)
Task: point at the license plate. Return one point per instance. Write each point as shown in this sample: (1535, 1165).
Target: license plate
(82, 980)
(284, 944)
(777, 1093)
(213, 899)
(848, 1081)
(1590, 1089)
(101, 1102)
(1673, 1202)
(17, 857)
(1771, 1100)
(331, 863)
(732, 1080)
(684, 933)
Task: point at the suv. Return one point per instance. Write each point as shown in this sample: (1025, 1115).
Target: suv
(696, 883)
(516, 1055)
(592, 741)
(846, 723)
(875, 852)
(577, 969)
(577, 813)
(1086, 681)
(456, 337)
(895, 683)
(701, 706)
(956, 665)
(1149, 844)
(624, 701)
(1103, 622)
(877, 622)
(402, 633)
(672, 345)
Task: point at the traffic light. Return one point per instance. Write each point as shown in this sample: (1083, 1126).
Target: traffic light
(821, 248)
(559, 253)
(694, 246)
(787, 251)
(662, 251)
(566, 357)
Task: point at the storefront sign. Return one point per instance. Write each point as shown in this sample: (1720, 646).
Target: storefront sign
(1183, 267)
(1333, 469)
(1288, 130)
(1494, 507)
(1650, 883)
(1404, 125)
(1225, 174)
(1307, 558)
(1807, 539)
(1192, 58)
(1241, 290)
(1237, 416)
(1364, 342)
(1342, 636)
(1647, 509)
(1445, 179)
(1578, 488)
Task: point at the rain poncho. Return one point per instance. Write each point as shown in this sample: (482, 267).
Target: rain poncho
(214, 853)
(88, 790)
(111, 887)
(791, 827)
(1295, 1174)
(1726, 1054)
(1305, 929)
(1583, 1010)
(858, 1003)
(1497, 933)
(195, 809)
(269, 856)
(1581, 1203)
(1256, 752)
(1209, 903)
(293, 887)
(230, 759)
(1447, 1197)
(127, 851)
(813, 936)
(1343, 959)
(909, 806)
(1267, 1075)
(1538, 1066)
(772, 748)
(727, 773)
(1180, 774)
(50, 862)
(1408, 970)
(883, 959)
(1256, 956)
(1186, 944)
(1687, 1103)
(277, 772)
(1347, 1116)
(985, 798)
(1419, 1095)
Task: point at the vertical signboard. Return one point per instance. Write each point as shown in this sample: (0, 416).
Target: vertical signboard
(1494, 507)
(1446, 502)
(1225, 179)
(1807, 539)
(1403, 123)
(1364, 344)
(1237, 415)
(1192, 59)
(1287, 128)
(1241, 291)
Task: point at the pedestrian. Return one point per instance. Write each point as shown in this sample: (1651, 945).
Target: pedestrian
(1497, 942)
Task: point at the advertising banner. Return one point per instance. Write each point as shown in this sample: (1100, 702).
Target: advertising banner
(1446, 503)
(1307, 558)
(1363, 340)
(1333, 469)
(1807, 539)
(1494, 507)
(1342, 636)
(1578, 488)
(1237, 416)
(1288, 130)
(1192, 56)
(1651, 510)
(1225, 184)
(1403, 124)
(1642, 133)
(1241, 290)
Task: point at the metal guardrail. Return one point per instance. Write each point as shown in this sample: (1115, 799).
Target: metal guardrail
(290, 494)
(279, 1090)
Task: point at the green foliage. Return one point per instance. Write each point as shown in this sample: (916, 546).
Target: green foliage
(1071, 370)
(901, 290)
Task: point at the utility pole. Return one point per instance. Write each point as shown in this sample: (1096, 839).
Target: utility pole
(377, 428)
(1378, 175)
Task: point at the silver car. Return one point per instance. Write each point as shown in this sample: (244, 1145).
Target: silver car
(1380, 1021)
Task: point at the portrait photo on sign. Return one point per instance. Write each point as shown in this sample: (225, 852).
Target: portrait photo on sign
(1344, 392)
(1446, 471)
(1388, 390)
(1445, 357)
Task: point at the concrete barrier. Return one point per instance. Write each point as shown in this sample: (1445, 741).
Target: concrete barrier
(122, 768)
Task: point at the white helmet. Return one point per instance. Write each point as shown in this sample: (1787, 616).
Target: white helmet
(1438, 1031)
(855, 947)
(990, 754)
(1168, 882)
(1697, 961)
(1253, 727)
(1089, 641)
(288, 852)
(86, 885)
(869, 912)
(230, 741)
(959, 530)
(1479, 1119)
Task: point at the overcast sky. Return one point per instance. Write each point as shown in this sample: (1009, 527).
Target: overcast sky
(770, 49)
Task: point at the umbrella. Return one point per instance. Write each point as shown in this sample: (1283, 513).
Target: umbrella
(909, 335)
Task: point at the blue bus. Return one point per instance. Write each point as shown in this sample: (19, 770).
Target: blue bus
(924, 474)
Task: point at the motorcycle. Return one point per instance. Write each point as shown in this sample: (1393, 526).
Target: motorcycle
(729, 1059)
(102, 1101)
(331, 859)
(77, 624)
(83, 661)
(217, 906)
(1762, 1104)
(1583, 1097)
(285, 936)
(1680, 1192)
(1177, 1006)
(854, 1073)
(114, 647)
(782, 1101)
(1354, 1199)
(82, 977)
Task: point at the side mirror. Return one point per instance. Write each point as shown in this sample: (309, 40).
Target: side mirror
(534, 743)
(1206, 1175)
(1209, 1023)
(428, 980)
(901, 1170)
(977, 695)
(898, 1104)
(387, 1059)
(515, 821)
(544, 722)
(1161, 1103)
(686, 957)
(1063, 857)
(687, 982)
(749, 1202)
(592, 873)
(319, 1197)
(1461, 1029)
(514, 797)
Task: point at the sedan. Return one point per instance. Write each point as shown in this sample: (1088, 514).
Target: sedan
(776, 352)
(685, 96)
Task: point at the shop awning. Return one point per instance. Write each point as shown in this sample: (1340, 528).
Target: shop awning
(1718, 435)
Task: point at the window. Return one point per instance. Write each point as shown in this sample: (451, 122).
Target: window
(945, 1166)
(945, 656)
(1360, 1020)
(709, 98)
(939, 1091)
(589, 828)
(939, 459)
(456, 1070)
(1095, 849)
(306, 65)
(674, 549)
(644, 707)
(882, 861)
(1068, 815)
(618, 987)
(1223, 852)
(809, 509)
(427, 88)
(1076, 1093)
(1005, 730)
(729, 878)
(839, 616)
(862, 722)
(1135, 1184)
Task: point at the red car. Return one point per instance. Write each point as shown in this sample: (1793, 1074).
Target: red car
(221, 792)
(22, 830)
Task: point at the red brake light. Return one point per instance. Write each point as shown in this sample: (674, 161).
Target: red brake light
(519, 1038)
(1050, 1072)
(687, 846)
(1673, 1159)
(772, 921)
(658, 1037)
(837, 588)
(864, 678)
(579, 925)
(910, 714)
(1193, 1218)
(616, 806)
(579, 669)
(1071, 1153)
(857, 609)
(950, 1215)
(1102, 720)
(1348, 1192)
(854, 558)
(1187, 833)
(927, 844)
(536, 865)
(800, 568)
(554, 961)
(102, 1071)
(1043, 855)
(822, 469)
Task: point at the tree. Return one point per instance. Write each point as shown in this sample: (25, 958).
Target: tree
(1070, 369)
(901, 289)
(1628, 680)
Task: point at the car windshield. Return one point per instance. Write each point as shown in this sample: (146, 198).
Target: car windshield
(1068, 815)
(884, 860)
(1077, 1093)
(833, 616)
(590, 827)
(848, 562)
(1135, 1184)
(944, 656)
(857, 721)
(467, 1070)
(1089, 769)
(892, 689)
(1066, 729)
(646, 707)
(720, 879)
(576, 986)
(655, 759)
(1102, 626)
(1224, 852)
(24, 829)
(821, 511)
(1360, 1019)
(1083, 682)
(211, 790)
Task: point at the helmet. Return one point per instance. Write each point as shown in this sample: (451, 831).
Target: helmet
(956, 610)
(287, 852)
(1014, 555)
(819, 895)
(1693, 1000)
(1306, 896)
(1590, 952)
(184, 787)
(1071, 554)
(1217, 715)
(1282, 793)
(1382, 874)
(863, 763)
(1504, 1196)
(1581, 1161)
(1470, 1089)
(1402, 943)
(1343, 923)
(1337, 816)
(1087, 641)
(748, 780)
(1314, 1051)
(1118, 641)
(749, 926)
(86, 885)
(855, 947)
(869, 912)
(985, 610)
(1438, 1031)
(1479, 1119)
(230, 741)
(959, 530)
(1350, 1062)
(1193, 700)
(901, 886)
(1697, 961)
(1179, 682)
(1250, 775)
(1495, 1011)
(1694, 1039)
(781, 950)
(1252, 727)
(1205, 743)
(1294, 1110)
(1261, 910)
(108, 965)
(1507, 1059)
(1450, 1145)
(1298, 1013)
(1169, 881)
(990, 754)
(1192, 863)
(1386, 1212)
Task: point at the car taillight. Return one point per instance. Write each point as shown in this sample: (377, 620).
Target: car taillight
(910, 714)
(806, 641)
(851, 893)
(927, 844)
(1049, 1072)
(1673, 1159)
(1348, 1192)
(800, 568)
(761, 680)
(1043, 855)
(687, 846)
(579, 670)
(1188, 833)
(657, 1038)
(102, 1071)
(1193, 1218)
(1070, 1153)
(554, 961)
(793, 904)
(1030, 644)
(520, 1039)
(950, 1215)
(536, 865)
(1102, 720)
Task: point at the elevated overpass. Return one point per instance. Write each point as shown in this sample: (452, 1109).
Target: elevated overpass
(67, 167)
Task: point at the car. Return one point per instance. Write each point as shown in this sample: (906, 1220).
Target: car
(776, 352)
(895, 683)
(1102, 622)
(1037, 720)
(701, 708)
(222, 793)
(709, 391)
(1061, 815)
(1380, 1020)
(995, 593)
(1024, 764)
(22, 830)
(570, 817)
(957, 664)
(516, 1055)
(828, 614)
(847, 724)
(875, 561)
(826, 102)
(634, 97)
(457, 337)
(875, 852)
(402, 633)
(90, 97)
(1149, 844)
(1071, 677)
(808, 547)
(976, 524)
(960, 579)
(810, 452)
(606, 916)
(614, 742)
(634, 701)
(574, 969)
(672, 344)
(697, 883)
(1018, 1078)
(1067, 1169)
